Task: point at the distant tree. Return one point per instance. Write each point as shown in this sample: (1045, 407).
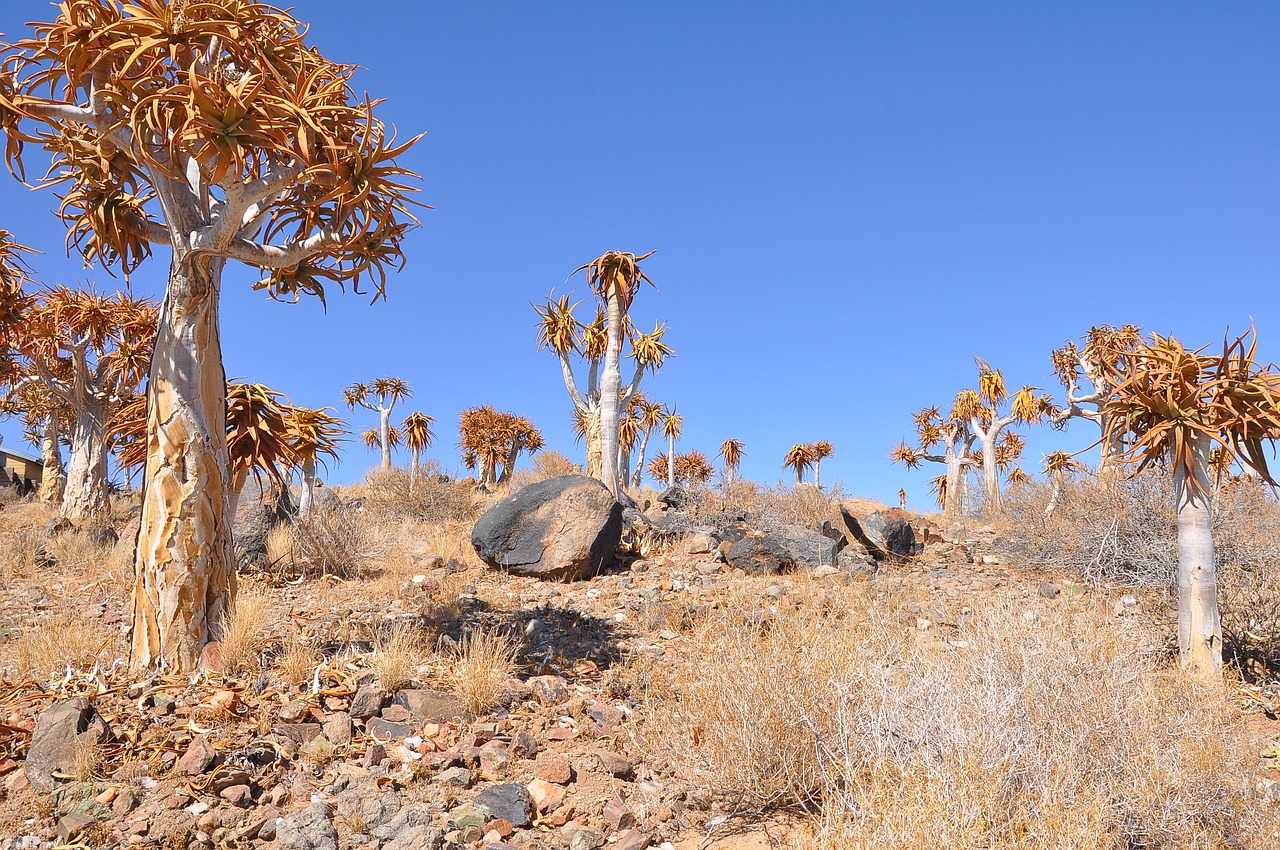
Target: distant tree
(693, 468)
(902, 498)
(649, 413)
(213, 128)
(1087, 372)
(89, 351)
(417, 436)
(373, 438)
(981, 408)
(1057, 464)
(628, 436)
(798, 458)
(1171, 406)
(561, 332)
(662, 469)
(672, 425)
(313, 435)
(818, 451)
(952, 435)
(731, 452)
(491, 439)
(381, 397)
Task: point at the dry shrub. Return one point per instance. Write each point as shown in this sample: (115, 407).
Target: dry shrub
(431, 497)
(768, 508)
(1122, 532)
(397, 655)
(66, 638)
(546, 464)
(243, 628)
(297, 660)
(334, 540)
(280, 545)
(1246, 531)
(480, 667)
(1026, 729)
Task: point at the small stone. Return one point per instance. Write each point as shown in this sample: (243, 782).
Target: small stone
(396, 714)
(494, 757)
(385, 730)
(457, 777)
(337, 728)
(546, 797)
(427, 705)
(198, 758)
(60, 731)
(367, 702)
(549, 690)
(252, 825)
(310, 828)
(297, 732)
(523, 746)
(509, 801)
(632, 839)
(553, 767)
(1049, 590)
(69, 826)
(294, 712)
(615, 765)
(163, 704)
(502, 828)
(618, 817)
(470, 815)
(237, 795)
(586, 838)
(374, 755)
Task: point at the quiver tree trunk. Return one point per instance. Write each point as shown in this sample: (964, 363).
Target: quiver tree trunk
(990, 476)
(85, 493)
(671, 461)
(610, 388)
(184, 577)
(307, 499)
(53, 481)
(384, 433)
(1199, 623)
(636, 477)
(595, 467)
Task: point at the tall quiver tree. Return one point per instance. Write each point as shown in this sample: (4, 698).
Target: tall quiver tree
(214, 129)
(381, 397)
(820, 450)
(1172, 405)
(417, 436)
(1057, 465)
(732, 453)
(987, 422)
(89, 351)
(798, 458)
(649, 414)
(1087, 373)
(313, 434)
(672, 425)
(951, 434)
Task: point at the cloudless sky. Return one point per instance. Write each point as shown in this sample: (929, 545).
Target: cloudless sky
(849, 202)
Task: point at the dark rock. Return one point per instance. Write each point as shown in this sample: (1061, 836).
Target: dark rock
(385, 730)
(307, 829)
(564, 528)
(364, 805)
(429, 706)
(60, 730)
(1049, 590)
(254, 521)
(509, 801)
(888, 534)
(56, 526)
(677, 498)
(808, 549)
(764, 555)
(367, 702)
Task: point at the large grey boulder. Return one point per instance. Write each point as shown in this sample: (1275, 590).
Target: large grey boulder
(763, 555)
(564, 528)
(62, 730)
(808, 549)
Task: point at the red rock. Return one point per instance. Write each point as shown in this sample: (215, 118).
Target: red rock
(632, 839)
(198, 758)
(553, 767)
(618, 816)
(237, 795)
(396, 714)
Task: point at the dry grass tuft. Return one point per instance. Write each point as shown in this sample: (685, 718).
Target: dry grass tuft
(243, 628)
(297, 660)
(397, 656)
(62, 639)
(432, 497)
(480, 667)
(1028, 728)
(771, 507)
(280, 546)
(548, 463)
(335, 541)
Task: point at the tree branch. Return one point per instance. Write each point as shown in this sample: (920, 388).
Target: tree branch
(268, 256)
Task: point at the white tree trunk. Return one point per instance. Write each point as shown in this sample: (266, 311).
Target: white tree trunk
(307, 499)
(384, 431)
(671, 462)
(990, 473)
(184, 576)
(54, 480)
(610, 388)
(1054, 494)
(817, 474)
(638, 475)
(1199, 623)
(85, 493)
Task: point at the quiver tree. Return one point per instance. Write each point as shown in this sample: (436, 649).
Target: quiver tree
(214, 129)
(1057, 465)
(1087, 372)
(672, 425)
(381, 397)
(982, 409)
(798, 458)
(648, 414)
(693, 468)
(818, 451)
(374, 439)
(89, 351)
(1172, 406)
(947, 441)
(628, 435)
(45, 420)
(615, 278)
(731, 452)
(490, 439)
(417, 436)
(313, 434)
(257, 439)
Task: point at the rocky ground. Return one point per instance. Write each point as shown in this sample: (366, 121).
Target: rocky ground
(565, 758)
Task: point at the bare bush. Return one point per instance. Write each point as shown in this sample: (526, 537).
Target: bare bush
(334, 540)
(431, 497)
(768, 508)
(1035, 728)
(548, 463)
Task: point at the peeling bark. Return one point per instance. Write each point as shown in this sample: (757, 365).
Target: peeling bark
(1199, 623)
(85, 493)
(184, 571)
(53, 482)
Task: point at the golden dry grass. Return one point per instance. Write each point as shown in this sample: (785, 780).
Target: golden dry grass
(480, 667)
(1040, 728)
(243, 630)
(397, 655)
(64, 638)
(296, 660)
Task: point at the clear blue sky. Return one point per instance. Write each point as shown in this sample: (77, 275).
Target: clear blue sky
(849, 201)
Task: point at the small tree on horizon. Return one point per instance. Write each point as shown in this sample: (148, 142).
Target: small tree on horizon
(732, 452)
(381, 396)
(1093, 365)
(798, 458)
(417, 436)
